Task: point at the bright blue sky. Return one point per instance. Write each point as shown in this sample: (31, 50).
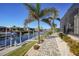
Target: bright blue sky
(14, 14)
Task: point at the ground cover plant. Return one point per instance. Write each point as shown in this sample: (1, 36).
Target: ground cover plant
(74, 45)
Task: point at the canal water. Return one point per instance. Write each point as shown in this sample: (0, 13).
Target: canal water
(17, 39)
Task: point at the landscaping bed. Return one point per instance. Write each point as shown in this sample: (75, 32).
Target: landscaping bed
(22, 50)
(74, 45)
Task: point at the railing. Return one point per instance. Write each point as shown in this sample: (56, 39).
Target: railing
(10, 42)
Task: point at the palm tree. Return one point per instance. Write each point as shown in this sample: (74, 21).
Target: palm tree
(54, 25)
(50, 21)
(35, 13)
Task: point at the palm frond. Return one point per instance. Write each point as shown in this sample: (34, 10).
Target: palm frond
(48, 11)
(58, 19)
(38, 8)
(33, 10)
(30, 6)
(27, 21)
(55, 14)
(46, 21)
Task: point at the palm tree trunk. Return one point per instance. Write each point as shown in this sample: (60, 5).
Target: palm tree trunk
(53, 26)
(38, 31)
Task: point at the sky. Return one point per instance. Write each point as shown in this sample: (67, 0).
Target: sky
(14, 14)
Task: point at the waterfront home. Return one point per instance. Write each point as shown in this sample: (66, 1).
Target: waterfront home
(70, 22)
(3, 29)
(14, 29)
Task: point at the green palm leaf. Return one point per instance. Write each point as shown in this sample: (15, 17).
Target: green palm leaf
(58, 19)
(30, 6)
(47, 21)
(27, 21)
(48, 11)
(38, 8)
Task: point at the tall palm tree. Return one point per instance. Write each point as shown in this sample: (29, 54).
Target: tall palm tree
(36, 13)
(50, 21)
(54, 25)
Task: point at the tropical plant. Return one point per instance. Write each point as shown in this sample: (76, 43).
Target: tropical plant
(36, 13)
(54, 27)
(36, 47)
(50, 21)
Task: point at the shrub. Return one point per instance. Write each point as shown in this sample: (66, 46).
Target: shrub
(67, 39)
(36, 47)
(61, 35)
(49, 33)
(74, 46)
(42, 41)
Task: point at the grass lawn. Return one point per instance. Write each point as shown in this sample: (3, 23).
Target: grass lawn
(22, 50)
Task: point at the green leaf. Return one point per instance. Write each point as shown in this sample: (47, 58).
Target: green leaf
(46, 21)
(30, 7)
(38, 8)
